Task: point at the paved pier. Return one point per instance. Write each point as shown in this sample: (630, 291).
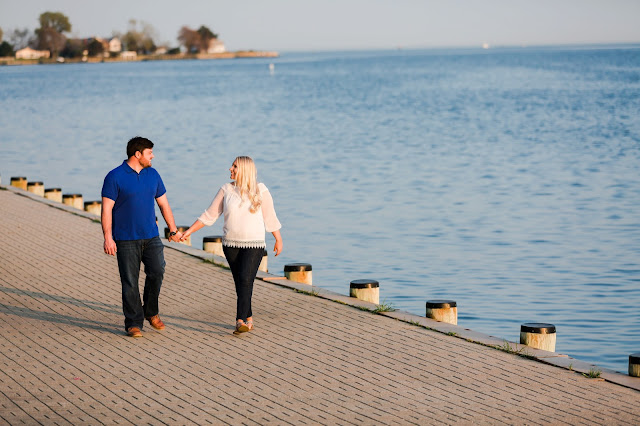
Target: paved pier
(64, 357)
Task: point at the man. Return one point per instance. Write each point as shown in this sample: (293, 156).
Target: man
(131, 233)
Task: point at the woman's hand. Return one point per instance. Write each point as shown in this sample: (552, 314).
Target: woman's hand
(277, 248)
(197, 225)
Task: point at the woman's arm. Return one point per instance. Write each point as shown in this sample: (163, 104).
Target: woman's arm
(209, 216)
(197, 225)
(213, 212)
(271, 222)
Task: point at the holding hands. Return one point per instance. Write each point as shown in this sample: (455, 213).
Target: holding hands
(177, 237)
(197, 225)
(184, 235)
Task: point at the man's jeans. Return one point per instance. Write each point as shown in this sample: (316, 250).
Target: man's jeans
(130, 254)
(244, 263)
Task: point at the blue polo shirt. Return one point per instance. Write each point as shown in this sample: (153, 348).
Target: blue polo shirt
(134, 215)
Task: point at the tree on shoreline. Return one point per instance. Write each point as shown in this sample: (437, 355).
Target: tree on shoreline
(140, 41)
(5, 48)
(95, 48)
(56, 20)
(190, 39)
(196, 40)
(21, 39)
(49, 35)
(73, 48)
(206, 35)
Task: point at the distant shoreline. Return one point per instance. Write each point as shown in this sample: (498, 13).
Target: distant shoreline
(144, 58)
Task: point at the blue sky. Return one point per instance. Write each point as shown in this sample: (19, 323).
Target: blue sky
(350, 24)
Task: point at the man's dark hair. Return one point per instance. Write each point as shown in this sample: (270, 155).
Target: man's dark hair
(138, 144)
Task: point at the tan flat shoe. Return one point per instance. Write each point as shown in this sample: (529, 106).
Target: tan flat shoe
(241, 327)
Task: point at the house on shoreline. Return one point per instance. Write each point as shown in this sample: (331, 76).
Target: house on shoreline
(29, 53)
(129, 55)
(216, 46)
(110, 46)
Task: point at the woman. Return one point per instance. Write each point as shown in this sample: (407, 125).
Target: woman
(248, 211)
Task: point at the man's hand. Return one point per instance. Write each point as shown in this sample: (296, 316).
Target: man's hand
(176, 238)
(110, 246)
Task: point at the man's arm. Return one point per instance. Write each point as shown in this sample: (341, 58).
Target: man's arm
(107, 220)
(165, 209)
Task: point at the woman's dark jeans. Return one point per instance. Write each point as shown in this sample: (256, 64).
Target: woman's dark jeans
(130, 253)
(244, 263)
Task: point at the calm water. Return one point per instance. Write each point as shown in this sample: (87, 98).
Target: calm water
(506, 180)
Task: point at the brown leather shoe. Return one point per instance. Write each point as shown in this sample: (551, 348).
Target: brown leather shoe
(156, 322)
(134, 332)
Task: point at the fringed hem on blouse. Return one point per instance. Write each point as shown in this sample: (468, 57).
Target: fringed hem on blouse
(244, 244)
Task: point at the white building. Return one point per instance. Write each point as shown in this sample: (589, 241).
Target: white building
(129, 55)
(115, 45)
(216, 46)
(29, 53)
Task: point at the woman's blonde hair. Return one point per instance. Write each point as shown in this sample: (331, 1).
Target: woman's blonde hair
(247, 182)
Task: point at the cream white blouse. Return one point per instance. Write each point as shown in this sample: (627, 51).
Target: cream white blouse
(242, 228)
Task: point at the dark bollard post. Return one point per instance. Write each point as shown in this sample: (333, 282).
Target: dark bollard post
(213, 244)
(19, 182)
(53, 194)
(36, 188)
(264, 262)
(442, 310)
(634, 364)
(73, 200)
(367, 290)
(94, 207)
(539, 336)
(298, 272)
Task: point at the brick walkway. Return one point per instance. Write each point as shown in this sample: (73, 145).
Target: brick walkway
(64, 358)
